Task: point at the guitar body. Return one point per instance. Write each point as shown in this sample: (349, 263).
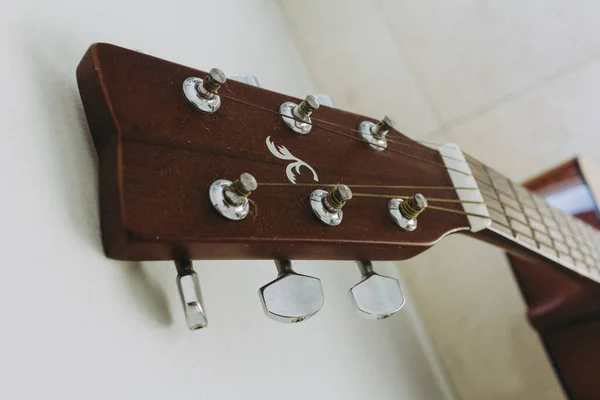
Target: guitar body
(562, 307)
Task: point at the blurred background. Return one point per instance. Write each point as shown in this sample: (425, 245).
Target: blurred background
(516, 84)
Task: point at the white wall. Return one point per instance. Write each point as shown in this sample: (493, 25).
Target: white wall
(75, 325)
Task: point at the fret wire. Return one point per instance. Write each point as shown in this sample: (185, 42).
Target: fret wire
(537, 207)
(508, 217)
(483, 216)
(485, 168)
(512, 186)
(560, 228)
(497, 192)
(466, 213)
(576, 231)
(571, 230)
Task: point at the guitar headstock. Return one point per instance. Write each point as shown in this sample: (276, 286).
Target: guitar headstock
(160, 153)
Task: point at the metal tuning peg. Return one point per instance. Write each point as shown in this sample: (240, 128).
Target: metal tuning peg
(191, 298)
(405, 212)
(297, 116)
(327, 205)
(376, 296)
(374, 134)
(230, 199)
(202, 92)
(291, 297)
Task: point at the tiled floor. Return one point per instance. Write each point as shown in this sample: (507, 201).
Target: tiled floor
(517, 84)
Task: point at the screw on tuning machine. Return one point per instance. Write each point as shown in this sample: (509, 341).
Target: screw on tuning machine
(291, 297)
(327, 205)
(374, 134)
(230, 199)
(191, 298)
(202, 93)
(405, 212)
(376, 296)
(297, 116)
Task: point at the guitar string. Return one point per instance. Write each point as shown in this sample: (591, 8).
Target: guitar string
(507, 217)
(387, 138)
(442, 155)
(372, 186)
(385, 196)
(436, 200)
(532, 228)
(508, 226)
(450, 210)
(410, 156)
(488, 185)
(364, 141)
(372, 195)
(346, 135)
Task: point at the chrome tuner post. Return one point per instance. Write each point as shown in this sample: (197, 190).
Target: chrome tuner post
(327, 205)
(376, 296)
(297, 116)
(374, 134)
(202, 93)
(191, 298)
(291, 297)
(230, 199)
(405, 212)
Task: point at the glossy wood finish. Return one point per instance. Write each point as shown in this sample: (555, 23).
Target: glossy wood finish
(562, 307)
(158, 156)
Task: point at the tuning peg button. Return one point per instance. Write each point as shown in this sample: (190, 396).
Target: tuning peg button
(191, 298)
(376, 296)
(291, 297)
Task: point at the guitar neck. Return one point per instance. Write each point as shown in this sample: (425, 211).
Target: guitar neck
(524, 223)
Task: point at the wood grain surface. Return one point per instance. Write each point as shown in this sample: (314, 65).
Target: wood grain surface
(159, 155)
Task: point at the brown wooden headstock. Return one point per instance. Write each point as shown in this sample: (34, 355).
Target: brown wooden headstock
(159, 155)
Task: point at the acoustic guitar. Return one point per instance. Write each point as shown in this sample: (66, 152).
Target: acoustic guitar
(197, 166)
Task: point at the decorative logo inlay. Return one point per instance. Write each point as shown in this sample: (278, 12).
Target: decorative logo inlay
(284, 154)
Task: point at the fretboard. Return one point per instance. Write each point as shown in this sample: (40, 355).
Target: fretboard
(527, 220)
